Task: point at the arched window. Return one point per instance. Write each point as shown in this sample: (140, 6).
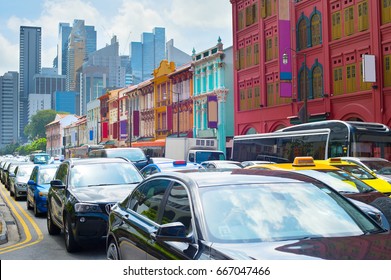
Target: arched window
(302, 34)
(315, 30)
(317, 82)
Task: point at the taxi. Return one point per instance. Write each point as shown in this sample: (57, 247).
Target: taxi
(368, 177)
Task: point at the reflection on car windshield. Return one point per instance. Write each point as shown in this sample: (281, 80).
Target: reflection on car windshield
(46, 175)
(104, 174)
(278, 212)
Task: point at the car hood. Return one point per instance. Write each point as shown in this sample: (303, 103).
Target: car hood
(110, 193)
(371, 247)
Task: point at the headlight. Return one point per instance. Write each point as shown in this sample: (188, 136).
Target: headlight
(43, 194)
(87, 207)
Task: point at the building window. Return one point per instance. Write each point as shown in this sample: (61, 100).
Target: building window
(337, 81)
(241, 20)
(251, 14)
(387, 70)
(350, 78)
(256, 54)
(315, 30)
(349, 21)
(336, 26)
(276, 47)
(242, 103)
(270, 94)
(248, 56)
(386, 11)
(363, 16)
(250, 102)
(241, 59)
(269, 49)
(302, 34)
(257, 96)
(266, 8)
(317, 82)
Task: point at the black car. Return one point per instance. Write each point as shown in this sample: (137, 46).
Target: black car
(135, 155)
(243, 214)
(81, 195)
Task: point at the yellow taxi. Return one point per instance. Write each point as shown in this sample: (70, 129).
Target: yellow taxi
(368, 177)
(308, 163)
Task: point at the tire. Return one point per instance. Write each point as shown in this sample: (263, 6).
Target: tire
(70, 242)
(112, 251)
(52, 228)
(384, 205)
(36, 212)
(28, 205)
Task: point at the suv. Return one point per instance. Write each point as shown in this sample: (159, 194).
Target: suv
(81, 195)
(135, 155)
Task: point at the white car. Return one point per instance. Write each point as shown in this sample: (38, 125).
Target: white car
(380, 166)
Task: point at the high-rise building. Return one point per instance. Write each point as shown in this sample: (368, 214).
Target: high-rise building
(29, 65)
(64, 30)
(147, 54)
(45, 84)
(81, 43)
(102, 70)
(9, 108)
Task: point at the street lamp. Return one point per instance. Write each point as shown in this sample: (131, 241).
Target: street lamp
(303, 110)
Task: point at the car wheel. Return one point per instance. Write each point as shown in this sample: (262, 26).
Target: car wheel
(112, 251)
(70, 242)
(28, 205)
(52, 228)
(36, 212)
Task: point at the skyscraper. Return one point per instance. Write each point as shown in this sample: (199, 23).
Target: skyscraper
(64, 31)
(81, 43)
(147, 54)
(9, 108)
(100, 71)
(29, 65)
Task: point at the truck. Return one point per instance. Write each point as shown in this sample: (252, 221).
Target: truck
(193, 149)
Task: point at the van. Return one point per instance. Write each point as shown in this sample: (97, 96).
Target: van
(134, 155)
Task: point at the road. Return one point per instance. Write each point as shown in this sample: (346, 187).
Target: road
(28, 238)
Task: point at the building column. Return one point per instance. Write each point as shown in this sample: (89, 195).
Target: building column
(221, 136)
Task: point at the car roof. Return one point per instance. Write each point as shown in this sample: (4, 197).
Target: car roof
(94, 160)
(238, 176)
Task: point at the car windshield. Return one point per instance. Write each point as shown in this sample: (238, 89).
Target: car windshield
(272, 212)
(350, 179)
(46, 175)
(25, 170)
(357, 171)
(332, 181)
(85, 175)
(379, 166)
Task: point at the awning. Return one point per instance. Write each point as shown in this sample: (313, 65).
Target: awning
(156, 143)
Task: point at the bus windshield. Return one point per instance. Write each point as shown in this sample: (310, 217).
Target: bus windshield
(321, 140)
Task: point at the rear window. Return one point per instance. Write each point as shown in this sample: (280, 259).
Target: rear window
(133, 155)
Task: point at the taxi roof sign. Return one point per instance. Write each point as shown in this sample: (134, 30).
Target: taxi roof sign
(303, 161)
(335, 160)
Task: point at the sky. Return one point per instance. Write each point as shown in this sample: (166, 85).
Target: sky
(191, 23)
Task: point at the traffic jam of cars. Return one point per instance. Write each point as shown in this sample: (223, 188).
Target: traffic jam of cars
(162, 208)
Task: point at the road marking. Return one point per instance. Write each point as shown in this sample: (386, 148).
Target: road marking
(26, 242)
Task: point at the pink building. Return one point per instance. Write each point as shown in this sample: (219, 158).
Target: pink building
(337, 62)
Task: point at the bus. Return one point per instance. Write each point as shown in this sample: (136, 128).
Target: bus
(82, 151)
(320, 140)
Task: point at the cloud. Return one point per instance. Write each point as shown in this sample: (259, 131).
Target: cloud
(9, 56)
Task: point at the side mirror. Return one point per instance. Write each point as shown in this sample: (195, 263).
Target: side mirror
(57, 184)
(171, 232)
(31, 183)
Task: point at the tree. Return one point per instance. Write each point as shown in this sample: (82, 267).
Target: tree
(36, 127)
